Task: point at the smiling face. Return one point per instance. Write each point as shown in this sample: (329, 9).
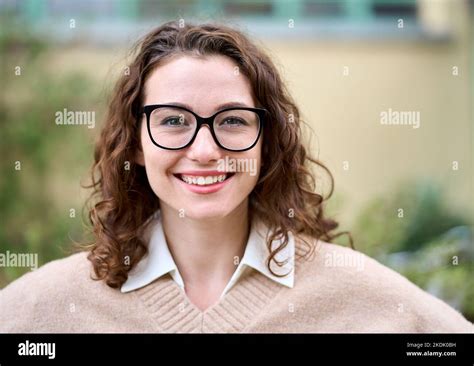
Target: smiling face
(191, 179)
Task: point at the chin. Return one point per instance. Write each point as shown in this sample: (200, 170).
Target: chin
(207, 211)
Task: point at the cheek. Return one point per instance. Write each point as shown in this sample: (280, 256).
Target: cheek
(254, 161)
(257, 155)
(157, 161)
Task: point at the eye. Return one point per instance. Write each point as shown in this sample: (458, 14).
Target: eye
(234, 121)
(174, 121)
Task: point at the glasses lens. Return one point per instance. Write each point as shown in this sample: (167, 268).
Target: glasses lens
(237, 129)
(172, 127)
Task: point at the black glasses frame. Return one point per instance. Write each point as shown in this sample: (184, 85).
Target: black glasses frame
(148, 109)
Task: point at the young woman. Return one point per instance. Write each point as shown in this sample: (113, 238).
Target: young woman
(206, 217)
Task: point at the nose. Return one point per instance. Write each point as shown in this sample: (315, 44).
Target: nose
(204, 148)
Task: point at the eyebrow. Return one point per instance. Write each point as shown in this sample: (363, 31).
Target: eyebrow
(218, 108)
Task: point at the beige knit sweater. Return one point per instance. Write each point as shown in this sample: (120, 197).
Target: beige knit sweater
(330, 295)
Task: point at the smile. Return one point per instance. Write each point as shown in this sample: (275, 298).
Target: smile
(201, 180)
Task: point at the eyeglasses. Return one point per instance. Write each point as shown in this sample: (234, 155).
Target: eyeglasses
(173, 128)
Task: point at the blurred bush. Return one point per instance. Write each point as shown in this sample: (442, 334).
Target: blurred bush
(40, 207)
(427, 242)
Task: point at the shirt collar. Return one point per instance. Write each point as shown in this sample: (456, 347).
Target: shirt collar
(256, 255)
(159, 260)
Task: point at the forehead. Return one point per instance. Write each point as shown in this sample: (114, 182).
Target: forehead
(201, 82)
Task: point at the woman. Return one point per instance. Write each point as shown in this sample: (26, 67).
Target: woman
(207, 218)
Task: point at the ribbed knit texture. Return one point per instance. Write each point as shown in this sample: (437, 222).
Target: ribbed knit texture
(174, 313)
(61, 297)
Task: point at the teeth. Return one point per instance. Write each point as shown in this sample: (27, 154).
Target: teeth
(203, 181)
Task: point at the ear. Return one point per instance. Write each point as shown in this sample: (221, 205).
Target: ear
(139, 157)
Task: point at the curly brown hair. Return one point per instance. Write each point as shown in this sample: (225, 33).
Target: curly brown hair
(284, 197)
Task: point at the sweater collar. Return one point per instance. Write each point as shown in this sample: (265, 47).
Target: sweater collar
(160, 262)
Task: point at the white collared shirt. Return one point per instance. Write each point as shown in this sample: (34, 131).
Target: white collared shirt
(159, 260)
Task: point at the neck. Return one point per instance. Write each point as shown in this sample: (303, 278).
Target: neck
(204, 250)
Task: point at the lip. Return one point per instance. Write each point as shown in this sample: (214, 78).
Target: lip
(202, 173)
(211, 188)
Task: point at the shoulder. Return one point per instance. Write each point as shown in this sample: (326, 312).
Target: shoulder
(359, 286)
(41, 295)
(51, 275)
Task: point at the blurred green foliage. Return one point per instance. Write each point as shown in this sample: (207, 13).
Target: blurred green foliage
(428, 242)
(36, 200)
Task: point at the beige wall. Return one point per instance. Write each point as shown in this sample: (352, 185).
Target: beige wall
(344, 112)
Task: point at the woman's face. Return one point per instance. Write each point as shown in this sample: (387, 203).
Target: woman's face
(204, 85)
